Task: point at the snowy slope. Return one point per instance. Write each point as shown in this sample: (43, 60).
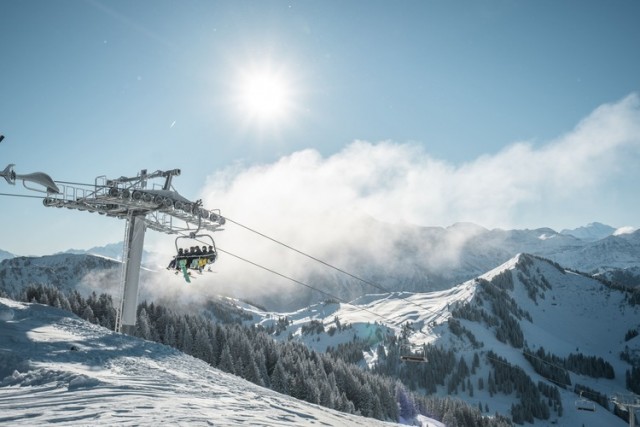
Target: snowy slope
(591, 232)
(114, 252)
(5, 255)
(574, 314)
(613, 252)
(417, 259)
(63, 271)
(58, 369)
(424, 259)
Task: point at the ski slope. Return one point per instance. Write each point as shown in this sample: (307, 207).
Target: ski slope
(59, 369)
(576, 315)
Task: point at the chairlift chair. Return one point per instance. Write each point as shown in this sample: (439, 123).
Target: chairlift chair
(417, 358)
(584, 404)
(409, 355)
(212, 256)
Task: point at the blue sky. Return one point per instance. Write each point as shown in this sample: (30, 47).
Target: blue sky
(445, 89)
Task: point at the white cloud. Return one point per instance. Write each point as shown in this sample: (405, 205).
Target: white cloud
(317, 204)
(624, 230)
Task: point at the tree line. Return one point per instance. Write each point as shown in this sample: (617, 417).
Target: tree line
(287, 367)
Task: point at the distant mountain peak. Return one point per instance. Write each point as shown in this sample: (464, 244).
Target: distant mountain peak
(6, 255)
(591, 232)
(467, 227)
(111, 250)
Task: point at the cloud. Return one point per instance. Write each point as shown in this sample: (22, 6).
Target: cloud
(319, 204)
(624, 230)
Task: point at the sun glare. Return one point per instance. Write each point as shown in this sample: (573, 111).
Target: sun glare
(265, 95)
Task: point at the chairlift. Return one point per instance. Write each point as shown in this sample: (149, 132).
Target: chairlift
(584, 404)
(196, 260)
(210, 256)
(416, 358)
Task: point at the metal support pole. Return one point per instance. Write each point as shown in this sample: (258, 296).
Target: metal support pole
(630, 403)
(131, 266)
(127, 198)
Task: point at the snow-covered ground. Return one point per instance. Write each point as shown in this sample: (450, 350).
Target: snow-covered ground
(110, 378)
(577, 315)
(59, 369)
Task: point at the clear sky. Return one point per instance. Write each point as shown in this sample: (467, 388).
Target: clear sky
(510, 114)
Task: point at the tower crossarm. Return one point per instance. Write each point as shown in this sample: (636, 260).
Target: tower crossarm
(164, 210)
(158, 208)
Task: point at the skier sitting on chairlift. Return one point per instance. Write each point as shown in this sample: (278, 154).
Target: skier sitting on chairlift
(212, 255)
(174, 261)
(194, 258)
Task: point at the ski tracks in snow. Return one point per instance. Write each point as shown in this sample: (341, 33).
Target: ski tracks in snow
(68, 372)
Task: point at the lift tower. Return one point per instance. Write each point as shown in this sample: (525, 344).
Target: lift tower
(628, 402)
(159, 208)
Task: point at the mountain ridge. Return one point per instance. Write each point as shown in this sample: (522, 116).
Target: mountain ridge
(545, 311)
(525, 306)
(591, 232)
(431, 258)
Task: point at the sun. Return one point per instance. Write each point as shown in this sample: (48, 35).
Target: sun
(265, 95)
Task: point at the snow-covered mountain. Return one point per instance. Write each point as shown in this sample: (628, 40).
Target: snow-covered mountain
(612, 253)
(58, 369)
(482, 250)
(527, 316)
(111, 250)
(5, 255)
(483, 339)
(63, 271)
(591, 232)
(434, 258)
(423, 259)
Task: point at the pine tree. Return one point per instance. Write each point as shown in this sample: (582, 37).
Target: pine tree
(201, 347)
(279, 380)
(226, 360)
(251, 372)
(87, 314)
(142, 325)
(169, 336)
(406, 404)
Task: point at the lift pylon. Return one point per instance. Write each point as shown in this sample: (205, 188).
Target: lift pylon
(628, 402)
(159, 208)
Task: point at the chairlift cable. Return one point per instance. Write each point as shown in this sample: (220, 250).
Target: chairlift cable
(367, 282)
(22, 195)
(270, 270)
(379, 287)
(375, 285)
(390, 321)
